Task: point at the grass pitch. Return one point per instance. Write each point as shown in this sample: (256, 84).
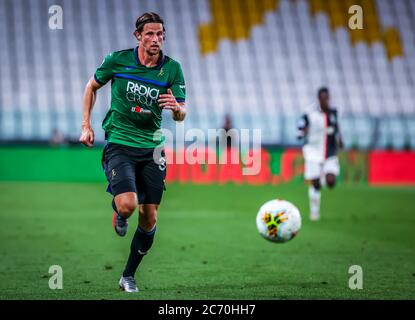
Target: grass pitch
(207, 246)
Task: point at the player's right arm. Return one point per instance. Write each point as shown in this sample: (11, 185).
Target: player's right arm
(103, 74)
(302, 127)
(90, 93)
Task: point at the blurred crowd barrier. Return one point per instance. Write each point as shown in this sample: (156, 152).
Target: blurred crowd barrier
(272, 166)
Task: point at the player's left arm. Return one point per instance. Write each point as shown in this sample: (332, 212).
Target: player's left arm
(302, 126)
(169, 102)
(338, 133)
(176, 95)
(339, 138)
(180, 113)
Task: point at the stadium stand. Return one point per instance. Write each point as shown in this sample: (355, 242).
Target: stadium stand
(259, 60)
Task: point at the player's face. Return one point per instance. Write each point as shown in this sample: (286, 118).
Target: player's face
(152, 38)
(324, 100)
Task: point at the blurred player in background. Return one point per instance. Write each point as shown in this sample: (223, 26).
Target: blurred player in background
(144, 81)
(319, 128)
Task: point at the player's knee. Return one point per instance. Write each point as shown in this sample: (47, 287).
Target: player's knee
(150, 223)
(331, 184)
(148, 219)
(316, 184)
(126, 207)
(331, 181)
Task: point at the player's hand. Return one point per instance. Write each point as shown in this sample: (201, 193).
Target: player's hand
(168, 101)
(87, 136)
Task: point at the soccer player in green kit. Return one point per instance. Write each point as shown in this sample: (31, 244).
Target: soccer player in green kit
(144, 81)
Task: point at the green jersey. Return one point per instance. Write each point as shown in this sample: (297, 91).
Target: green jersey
(134, 117)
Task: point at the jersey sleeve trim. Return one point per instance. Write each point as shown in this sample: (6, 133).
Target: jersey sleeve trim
(99, 81)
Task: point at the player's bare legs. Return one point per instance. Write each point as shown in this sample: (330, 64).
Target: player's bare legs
(147, 216)
(314, 194)
(125, 205)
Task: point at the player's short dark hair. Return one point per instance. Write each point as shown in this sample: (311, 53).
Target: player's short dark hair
(322, 90)
(148, 17)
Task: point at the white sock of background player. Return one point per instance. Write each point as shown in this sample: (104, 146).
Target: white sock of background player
(323, 181)
(314, 196)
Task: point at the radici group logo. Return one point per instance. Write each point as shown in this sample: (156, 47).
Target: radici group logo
(141, 94)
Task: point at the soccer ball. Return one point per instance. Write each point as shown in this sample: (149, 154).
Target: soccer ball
(278, 221)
